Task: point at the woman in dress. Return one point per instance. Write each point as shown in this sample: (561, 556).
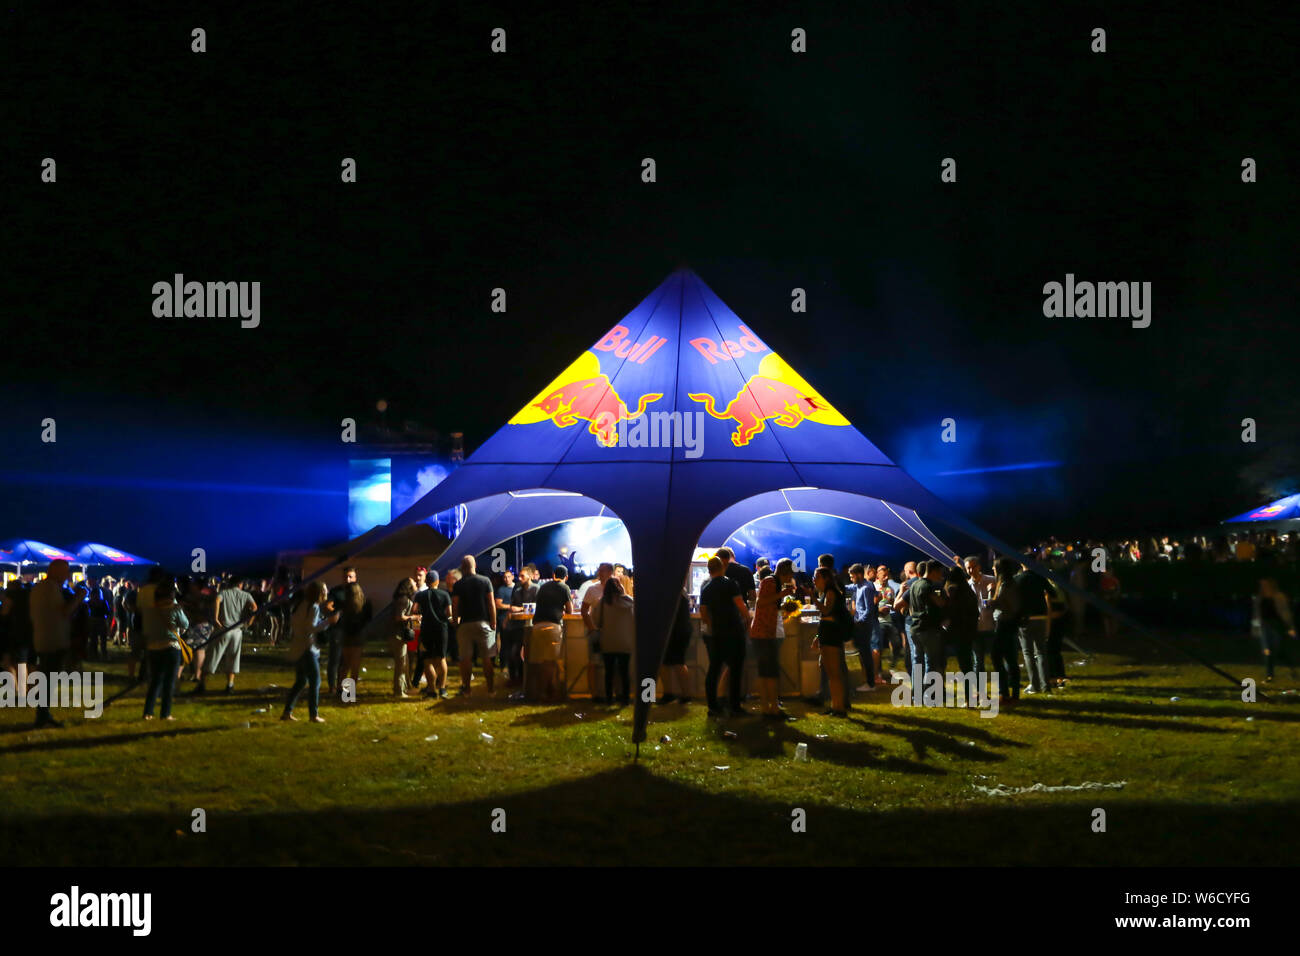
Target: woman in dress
(354, 615)
(831, 633)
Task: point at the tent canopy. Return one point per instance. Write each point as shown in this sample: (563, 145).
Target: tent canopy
(28, 551)
(1284, 509)
(495, 519)
(91, 554)
(684, 424)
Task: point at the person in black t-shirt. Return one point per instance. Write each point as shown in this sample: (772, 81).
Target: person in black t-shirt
(434, 604)
(554, 600)
(1035, 613)
(512, 631)
(743, 577)
(926, 613)
(722, 609)
(475, 610)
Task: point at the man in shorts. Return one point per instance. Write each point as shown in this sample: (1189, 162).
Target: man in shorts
(434, 605)
(474, 609)
(233, 609)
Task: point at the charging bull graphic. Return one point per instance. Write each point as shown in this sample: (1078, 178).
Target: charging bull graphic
(592, 400)
(777, 392)
(583, 393)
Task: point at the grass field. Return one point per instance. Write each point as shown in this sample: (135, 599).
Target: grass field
(1202, 783)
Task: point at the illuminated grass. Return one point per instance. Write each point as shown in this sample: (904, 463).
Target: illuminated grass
(891, 785)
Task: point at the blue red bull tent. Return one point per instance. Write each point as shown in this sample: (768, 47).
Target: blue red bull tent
(495, 519)
(90, 554)
(685, 425)
(1282, 512)
(25, 551)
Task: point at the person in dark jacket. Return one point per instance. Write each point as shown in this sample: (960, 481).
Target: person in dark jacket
(962, 626)
(1006, 628)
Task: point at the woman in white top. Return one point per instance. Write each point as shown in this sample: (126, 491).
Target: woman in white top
(313, 615)
(616, 620)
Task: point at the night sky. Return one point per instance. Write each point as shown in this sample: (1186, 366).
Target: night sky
(522, 171)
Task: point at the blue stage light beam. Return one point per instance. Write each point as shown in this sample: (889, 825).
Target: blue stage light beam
(1019, 466)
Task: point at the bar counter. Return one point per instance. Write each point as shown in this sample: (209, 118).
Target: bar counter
(581, 672)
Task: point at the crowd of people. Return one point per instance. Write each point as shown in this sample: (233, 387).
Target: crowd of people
(1013, 618)
(1265, 546)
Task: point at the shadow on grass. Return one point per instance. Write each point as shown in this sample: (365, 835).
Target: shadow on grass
(927, 734)
(566, 715)
(761, 739)
(1050, 704)
(631, 816)
(51, 741)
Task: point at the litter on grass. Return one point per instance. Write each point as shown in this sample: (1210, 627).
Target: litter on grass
(1000, 790)
(486, 738)
(431, 738)
(724, 767)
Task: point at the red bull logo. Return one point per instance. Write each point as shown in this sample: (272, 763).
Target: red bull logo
(777, 392)
(584, 393)
(1269, 511)
(616, 340)
(729, 349)
(593, 400)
